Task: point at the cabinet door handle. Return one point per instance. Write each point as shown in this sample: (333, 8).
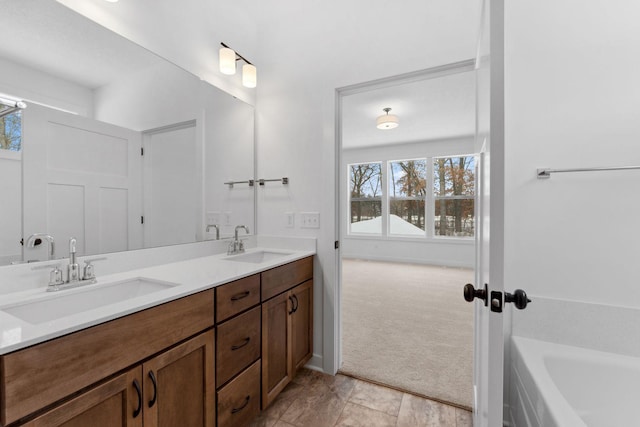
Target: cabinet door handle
(239, 346)
(295, 298)
(240, 296)
(136, 385)
(155, 389)
(292, 310)
(244, 405)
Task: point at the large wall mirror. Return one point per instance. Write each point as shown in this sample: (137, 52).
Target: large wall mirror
(117, 147)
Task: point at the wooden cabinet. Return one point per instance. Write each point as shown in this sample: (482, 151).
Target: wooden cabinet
(237, 296)
(115, 403)
(302, 325)
(179, 386)
(231, 349)
(38, 376)
(276, 351)
(238, 351)
(174, 388)
(239, 401)
(287, 319)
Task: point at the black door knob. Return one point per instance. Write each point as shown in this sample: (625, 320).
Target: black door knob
(518, 298)
(470, 293)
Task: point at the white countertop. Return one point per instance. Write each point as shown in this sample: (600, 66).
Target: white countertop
(191, 276)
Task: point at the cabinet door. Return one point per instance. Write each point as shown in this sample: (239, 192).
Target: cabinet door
(276, 341)
(302, 324)
(115, 403)
(179, 385)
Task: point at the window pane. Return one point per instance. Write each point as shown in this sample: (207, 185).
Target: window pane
(365, 197)
(407, 190)
(454, 217)
(11, 131)
(454, 176)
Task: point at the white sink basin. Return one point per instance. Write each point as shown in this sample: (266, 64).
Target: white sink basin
(72, 301)
(257, 257)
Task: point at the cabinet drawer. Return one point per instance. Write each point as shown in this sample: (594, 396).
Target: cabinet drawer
(285, 277)
(239, 401)
(238, 345)
(235, 297)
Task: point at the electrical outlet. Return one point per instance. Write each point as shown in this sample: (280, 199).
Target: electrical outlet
(213, 218)
(289, 219)
(309, 219)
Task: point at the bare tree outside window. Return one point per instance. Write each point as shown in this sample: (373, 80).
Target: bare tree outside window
(408, 189)
(365, 196)
(11, 132)
(454, 191)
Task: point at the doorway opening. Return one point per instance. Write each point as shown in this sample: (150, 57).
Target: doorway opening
(407, 232)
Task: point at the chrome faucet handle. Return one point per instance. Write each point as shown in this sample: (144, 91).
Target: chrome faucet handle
(55, 277)
(88, 271)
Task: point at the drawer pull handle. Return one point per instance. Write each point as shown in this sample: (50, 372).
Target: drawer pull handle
(237, 347)
(240, 296)
(292, 305)
(155, 389)
(295, 298)
(244, 405)
(136, 411)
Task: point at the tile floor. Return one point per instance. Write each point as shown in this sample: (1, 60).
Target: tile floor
(314, 399)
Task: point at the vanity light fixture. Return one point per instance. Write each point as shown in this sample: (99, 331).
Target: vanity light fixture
(387, 121)
(228, 58)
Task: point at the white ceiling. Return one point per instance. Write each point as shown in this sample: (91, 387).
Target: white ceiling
(431, 109)
(45, 35)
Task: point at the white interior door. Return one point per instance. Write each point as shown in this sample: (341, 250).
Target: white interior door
(81, 178)
(489, 325)
(171, 187)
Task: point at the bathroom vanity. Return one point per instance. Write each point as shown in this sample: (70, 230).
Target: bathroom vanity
(194, 354)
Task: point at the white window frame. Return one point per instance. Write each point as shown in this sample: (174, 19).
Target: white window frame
(430, 199)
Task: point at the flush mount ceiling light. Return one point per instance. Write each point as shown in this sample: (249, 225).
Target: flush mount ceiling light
(111, 1)
(228, 58)
(387, 121)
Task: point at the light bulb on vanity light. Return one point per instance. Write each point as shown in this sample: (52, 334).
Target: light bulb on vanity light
(227, 58)
(249, 75)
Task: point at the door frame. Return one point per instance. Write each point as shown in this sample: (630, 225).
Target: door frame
(340, 196)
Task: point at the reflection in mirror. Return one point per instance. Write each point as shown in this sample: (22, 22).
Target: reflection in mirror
(117, 147)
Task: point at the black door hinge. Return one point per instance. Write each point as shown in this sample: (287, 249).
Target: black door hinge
(142, 151)
(142, 220)
(336, 244)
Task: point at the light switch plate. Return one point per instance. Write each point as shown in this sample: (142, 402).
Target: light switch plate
(289, 219)
(309, 219)
(213, 218)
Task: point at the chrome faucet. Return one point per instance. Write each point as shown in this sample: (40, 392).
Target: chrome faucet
(237, 245)
(217, 230)
(73, 269)
(31, 242)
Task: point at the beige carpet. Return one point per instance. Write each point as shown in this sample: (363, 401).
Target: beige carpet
(407, 326)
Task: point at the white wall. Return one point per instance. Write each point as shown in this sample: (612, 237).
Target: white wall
(11, 207)
(151, 98)
(572, 100)
(24, 82)
(437, 251)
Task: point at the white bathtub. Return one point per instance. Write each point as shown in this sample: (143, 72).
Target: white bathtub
(557, 385)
